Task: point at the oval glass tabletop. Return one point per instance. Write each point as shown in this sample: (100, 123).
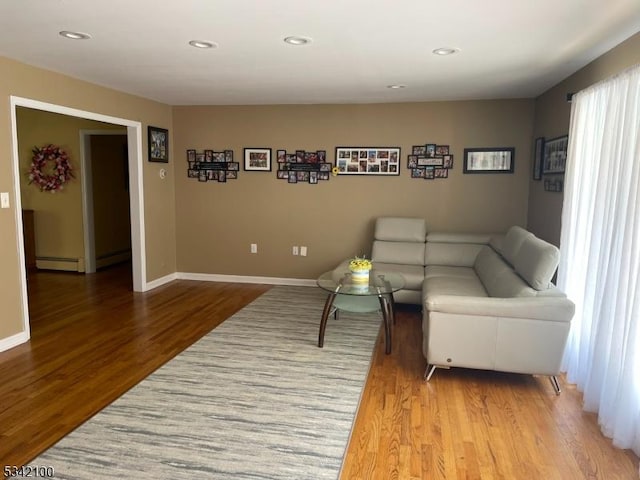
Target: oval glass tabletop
(380, 283)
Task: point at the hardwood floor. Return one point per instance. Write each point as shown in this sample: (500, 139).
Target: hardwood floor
(471, 424)
(93, 339)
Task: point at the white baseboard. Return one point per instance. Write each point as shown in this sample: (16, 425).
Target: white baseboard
(14, 341)
(214, 277)
(158, 282)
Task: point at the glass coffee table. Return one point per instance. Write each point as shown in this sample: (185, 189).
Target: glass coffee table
(345, 294)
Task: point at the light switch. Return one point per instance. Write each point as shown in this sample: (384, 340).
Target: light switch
(4, 199)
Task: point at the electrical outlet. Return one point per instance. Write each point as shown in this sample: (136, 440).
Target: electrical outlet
(254, 248)
(295, 250)
(303, 251)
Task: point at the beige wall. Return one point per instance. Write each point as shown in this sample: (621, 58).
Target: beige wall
(25, 81)
(217, 222)
(57, 216)
(552, 114)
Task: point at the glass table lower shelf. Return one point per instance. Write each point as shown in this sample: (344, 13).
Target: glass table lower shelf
(360, 297)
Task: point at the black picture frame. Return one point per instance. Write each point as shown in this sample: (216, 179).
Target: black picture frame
(368, 160)
(306, 164)
(419, 150)
(554, 183)
(442, 150)
(489, 160)
(158, 143)
(430, 150)
(555, 155)
(538, 153)
(431, 161)
(257, 159)
(212, 166)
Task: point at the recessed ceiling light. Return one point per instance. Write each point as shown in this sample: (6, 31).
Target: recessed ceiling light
(297, 40)
(396, 87)
(74, 35)
(445, 51)
(203, 44)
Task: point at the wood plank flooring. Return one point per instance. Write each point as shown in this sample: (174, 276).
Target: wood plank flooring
(93, 339)
(471, 424)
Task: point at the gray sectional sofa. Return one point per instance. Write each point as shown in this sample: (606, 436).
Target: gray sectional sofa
(488, 300)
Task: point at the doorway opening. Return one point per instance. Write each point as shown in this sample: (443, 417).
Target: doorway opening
(105, 197)
(135, 191)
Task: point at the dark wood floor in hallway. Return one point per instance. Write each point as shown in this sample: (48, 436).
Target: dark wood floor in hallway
(93, 339)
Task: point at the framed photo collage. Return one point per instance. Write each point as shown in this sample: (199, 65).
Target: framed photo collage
(368, 160)
(430, 161)
(303, 166)
(210, 166)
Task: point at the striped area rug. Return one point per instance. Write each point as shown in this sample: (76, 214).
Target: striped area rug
(253, 399)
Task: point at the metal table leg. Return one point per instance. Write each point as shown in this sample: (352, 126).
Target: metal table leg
(384, 307)
(325, 316)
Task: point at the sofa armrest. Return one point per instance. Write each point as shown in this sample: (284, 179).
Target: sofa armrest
(555, 309)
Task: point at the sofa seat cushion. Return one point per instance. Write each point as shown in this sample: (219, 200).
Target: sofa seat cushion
(413, 274)
(467, 286)
(444, 271)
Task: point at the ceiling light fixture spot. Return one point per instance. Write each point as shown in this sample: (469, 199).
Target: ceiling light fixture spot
(445, 51)
(74, 35)
(297, 40)
(396, 87)
(203, 44)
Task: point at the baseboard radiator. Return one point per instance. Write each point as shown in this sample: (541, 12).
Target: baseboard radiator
(60, 263)
(77, 264)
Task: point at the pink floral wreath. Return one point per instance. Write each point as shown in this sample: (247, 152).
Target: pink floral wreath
(60, 173)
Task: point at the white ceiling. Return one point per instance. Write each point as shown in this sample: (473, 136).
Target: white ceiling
(508, 48)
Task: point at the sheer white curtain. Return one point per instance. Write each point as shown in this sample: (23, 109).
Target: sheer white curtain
(600, 253)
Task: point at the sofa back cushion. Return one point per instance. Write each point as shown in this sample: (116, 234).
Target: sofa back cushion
(404, 253)
(512, 242)
(454, 249)
(451, 254)
(498, 278)
(536, 262)
(401, 229)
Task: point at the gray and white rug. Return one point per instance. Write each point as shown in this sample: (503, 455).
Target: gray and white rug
(253, 399)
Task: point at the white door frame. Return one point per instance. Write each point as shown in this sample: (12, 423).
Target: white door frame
(136, 191)
(87, 195)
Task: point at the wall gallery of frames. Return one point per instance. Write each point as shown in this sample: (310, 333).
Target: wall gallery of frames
(549, 161)
(430, 161)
